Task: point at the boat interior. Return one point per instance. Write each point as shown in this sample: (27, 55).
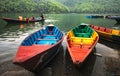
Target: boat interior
(82, 36)
(83, 31)
(50, 35)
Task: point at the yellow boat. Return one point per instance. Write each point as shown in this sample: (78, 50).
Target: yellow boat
(112, 35)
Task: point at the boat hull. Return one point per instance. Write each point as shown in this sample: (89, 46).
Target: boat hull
(94, 16)
(39, 61)
(38, 49)
(80, 44)
(117, 18)
(9, 20)
(107, 34)
(116, 39)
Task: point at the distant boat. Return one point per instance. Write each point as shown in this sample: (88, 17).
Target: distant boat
(94, 16)
(39, 48)
(107, 33)
(11, 20)
(80, 42)
(117, 18)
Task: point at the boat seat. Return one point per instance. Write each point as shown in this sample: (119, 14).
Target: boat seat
(87, 35)
(46, 41)
(86, 46)
(77, 40)
(47, 36)
(81, 44)
(82, 30)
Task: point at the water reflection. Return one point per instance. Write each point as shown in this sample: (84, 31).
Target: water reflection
(14, 30)
(21, 26)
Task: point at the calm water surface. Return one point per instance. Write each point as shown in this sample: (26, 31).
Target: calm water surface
(64, 21)
(105, 61)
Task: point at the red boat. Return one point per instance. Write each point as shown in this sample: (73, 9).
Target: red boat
(80, 42)
(11, 20)
(39, 48)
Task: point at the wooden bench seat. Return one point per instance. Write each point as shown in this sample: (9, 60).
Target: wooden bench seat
(45, 41)
(83, 35)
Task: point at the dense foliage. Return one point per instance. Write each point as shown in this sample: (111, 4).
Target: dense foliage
(99, 6)
(93, 6)
(60, 6)
(32, 6)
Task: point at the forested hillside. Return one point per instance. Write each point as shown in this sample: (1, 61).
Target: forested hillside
(38, 6)
(60, 6)
(93, 6)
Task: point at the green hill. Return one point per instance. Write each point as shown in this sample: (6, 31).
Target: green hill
(60, 6)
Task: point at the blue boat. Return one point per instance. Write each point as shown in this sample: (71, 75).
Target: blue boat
(39, 48)
(94, 16)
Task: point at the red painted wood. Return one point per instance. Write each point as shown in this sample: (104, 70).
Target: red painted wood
(102, 29)
(108, 30)
(26, 52)
(96, 27)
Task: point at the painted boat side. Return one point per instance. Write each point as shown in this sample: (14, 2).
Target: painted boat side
(108, 34)
(116, 39)
(94, 16)
(82, 46)
(39, 61)
(10, 20)
(34, 57)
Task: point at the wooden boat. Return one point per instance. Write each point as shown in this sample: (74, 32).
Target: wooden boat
(107, 33)
(80, 42)
(94, 16)
(11, 20)
(117, 18)
(39, 48)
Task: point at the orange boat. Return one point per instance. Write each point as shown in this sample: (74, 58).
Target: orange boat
(80, 42)
(111, 35)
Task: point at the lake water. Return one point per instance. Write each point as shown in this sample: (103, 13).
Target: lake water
(11, 35)
(63, 21)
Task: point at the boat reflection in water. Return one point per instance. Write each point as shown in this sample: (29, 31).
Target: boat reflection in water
(21, 26)
(16, 30)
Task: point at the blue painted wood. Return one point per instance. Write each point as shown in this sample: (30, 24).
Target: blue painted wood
(49, 35)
